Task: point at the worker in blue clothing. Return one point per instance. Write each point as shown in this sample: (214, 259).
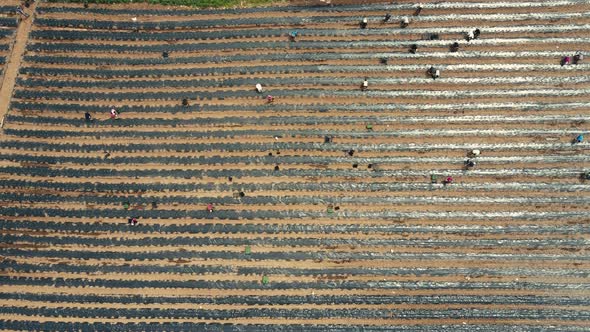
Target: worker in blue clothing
(21, 10)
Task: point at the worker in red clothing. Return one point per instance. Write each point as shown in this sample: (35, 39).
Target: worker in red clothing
(448, 180)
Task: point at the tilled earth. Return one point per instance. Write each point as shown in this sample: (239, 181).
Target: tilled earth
(330, 211)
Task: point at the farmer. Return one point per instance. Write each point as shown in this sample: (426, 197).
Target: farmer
(21, 10)
(405, 22)
(88, 117)
(579, 139)
(473, 153)
(270, 99)
(364, 23)
(259, 88)
(473, 34)
(470, 163)
(419, 8)
(476, 33)
(114, 114)
(578, 58)
(365, 85)
(210, 207)
(434, 73)
(566, 60)
(455, 47)
(448, 180)
(387, 17)
(293, 35)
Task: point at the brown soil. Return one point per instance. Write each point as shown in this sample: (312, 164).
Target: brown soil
(390, 121)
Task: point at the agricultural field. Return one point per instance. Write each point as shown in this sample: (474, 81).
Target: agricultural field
(332, 208)
(8, 24)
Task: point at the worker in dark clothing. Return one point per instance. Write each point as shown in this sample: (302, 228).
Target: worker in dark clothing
(364, 23)
(21, 10)
(472, 34)
(87, 117)
(419, 8)
(433, 72)
(454, 47)
(387, 17)
(476, 33)
(469, 163)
